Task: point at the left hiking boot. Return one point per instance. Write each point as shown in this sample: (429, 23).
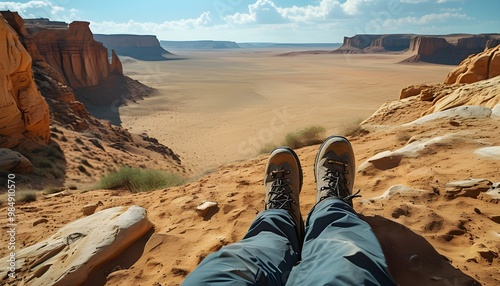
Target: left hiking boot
(334, 170)
(283, 183)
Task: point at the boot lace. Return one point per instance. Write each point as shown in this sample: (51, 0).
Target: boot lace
(338, 185)
(279, 195)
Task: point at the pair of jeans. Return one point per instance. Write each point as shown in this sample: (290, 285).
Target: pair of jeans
(338, 249)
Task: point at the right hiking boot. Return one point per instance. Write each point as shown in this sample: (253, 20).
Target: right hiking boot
(283, 183)
(334, 170)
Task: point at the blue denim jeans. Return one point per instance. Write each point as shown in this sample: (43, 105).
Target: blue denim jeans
(339, 249)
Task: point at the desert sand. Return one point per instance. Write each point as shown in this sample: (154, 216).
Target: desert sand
(210, 106)
(217, 107)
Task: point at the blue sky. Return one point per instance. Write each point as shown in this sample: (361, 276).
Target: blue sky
(291, 21)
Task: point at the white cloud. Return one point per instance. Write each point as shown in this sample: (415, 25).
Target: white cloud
(37, 9)
(132, 27)
(424, 20)
(262, 12)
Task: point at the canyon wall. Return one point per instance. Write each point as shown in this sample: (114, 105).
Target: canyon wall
(141, 47)
(73, 53)
(23, 111)
(446, 49)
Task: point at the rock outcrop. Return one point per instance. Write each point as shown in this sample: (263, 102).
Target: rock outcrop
(141, 47)
(477, 67)
(475, 84)
(446, 49)
(23, 111)
(70, 255)
(73, 53)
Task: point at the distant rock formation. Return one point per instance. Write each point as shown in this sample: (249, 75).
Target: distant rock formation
(199, 45)
(23, 111)
(446, 49)
(450, 49)
(141, 47)
(374, 43)
(477, 67)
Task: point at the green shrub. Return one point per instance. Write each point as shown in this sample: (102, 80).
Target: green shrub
(308, 136)
(139, 180)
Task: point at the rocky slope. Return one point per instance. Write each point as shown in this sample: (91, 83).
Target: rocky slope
(73, 58)
(445, 49)
(427, 167)
(141, 47)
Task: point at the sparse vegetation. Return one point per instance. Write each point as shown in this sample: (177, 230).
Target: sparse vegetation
(310, 135)
(266, 149)
(27, 196)
(352, 128)
(139, 180)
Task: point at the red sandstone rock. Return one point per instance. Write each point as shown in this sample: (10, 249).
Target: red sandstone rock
(73, 53)
(24, 111)
(477, 67)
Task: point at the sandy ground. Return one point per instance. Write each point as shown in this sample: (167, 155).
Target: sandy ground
(221, 106)
(212, 104)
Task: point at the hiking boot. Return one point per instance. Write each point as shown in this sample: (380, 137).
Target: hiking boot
(283, 182)
(334, 170)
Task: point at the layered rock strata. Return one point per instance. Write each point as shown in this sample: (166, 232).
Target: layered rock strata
(23, 111)
(142, 47)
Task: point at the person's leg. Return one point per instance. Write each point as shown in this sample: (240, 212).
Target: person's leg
(264, 256)
(267, 253)
(339, 247)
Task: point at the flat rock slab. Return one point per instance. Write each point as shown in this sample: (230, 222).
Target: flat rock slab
(495, 112)
(489, 152)
(69, 256)
(391, 159)
(463, 112)
(471, 188)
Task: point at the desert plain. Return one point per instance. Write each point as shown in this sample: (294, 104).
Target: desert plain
(217, 109)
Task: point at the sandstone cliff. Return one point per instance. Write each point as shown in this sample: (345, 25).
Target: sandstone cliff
(477, 67)
(23, 111)
(142, 47)
(450, 49)
(446, 49)
(75, 136)
(73, 53)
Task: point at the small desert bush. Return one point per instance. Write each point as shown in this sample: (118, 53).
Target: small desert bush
(139, 180)
(26, 196)
(308, 136)
(267, 148)
(352, 128)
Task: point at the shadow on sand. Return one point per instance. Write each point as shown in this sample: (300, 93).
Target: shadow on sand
(412, 260)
